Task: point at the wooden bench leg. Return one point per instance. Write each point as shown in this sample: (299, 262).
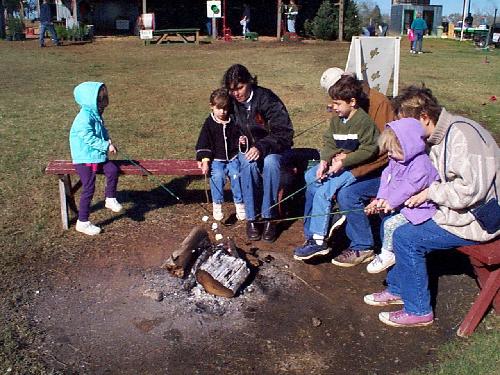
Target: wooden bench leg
(197, 38)
(481, 304)
(67, 198)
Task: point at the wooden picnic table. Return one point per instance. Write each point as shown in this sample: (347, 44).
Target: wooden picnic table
(186, 35)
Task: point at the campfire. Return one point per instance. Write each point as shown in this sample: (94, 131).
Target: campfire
(220, 268)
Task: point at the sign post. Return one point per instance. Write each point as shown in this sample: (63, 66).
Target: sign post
(214, 11)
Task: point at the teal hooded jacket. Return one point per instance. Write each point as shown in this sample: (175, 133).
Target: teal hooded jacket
(88, 137)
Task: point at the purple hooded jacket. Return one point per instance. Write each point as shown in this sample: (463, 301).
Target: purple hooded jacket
(404, 178)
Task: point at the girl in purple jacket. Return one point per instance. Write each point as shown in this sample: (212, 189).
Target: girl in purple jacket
(409, 171)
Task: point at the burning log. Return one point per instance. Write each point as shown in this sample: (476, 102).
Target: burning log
(181, 259)
(222, 274)
(220, 269)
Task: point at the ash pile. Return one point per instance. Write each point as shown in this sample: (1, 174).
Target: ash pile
(221, 269)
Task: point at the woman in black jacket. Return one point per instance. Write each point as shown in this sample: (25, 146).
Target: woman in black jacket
(267, 132)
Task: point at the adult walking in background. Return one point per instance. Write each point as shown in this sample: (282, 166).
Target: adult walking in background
(467, 159)
(418, 26)
(46, 24)
(353, 198)
(267, 132)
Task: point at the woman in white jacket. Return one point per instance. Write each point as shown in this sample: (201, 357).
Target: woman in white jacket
(467, 159)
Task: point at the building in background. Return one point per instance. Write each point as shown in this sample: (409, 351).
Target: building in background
(404, 11)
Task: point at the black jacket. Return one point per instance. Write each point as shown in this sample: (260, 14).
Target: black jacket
(267, 125)
(217, 141)
(45, 13)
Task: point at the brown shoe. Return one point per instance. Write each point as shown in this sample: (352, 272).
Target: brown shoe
(350, 257)
(269, 233)
(253, 231)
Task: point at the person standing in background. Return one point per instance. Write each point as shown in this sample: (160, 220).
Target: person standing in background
(245, 20)
(46, 24)
(418, 26)
(291, 16)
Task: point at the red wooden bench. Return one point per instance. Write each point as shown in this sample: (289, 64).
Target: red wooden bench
(64, 169)
(485, 259)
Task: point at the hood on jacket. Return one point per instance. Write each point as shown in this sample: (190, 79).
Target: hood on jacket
(86, 95)
(410, 135)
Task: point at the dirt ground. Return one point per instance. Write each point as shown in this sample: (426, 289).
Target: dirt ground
(293, 318)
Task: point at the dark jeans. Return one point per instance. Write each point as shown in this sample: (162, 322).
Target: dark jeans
(87, 176)
(50, 28)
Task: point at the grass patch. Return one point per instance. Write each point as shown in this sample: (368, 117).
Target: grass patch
(158, 101)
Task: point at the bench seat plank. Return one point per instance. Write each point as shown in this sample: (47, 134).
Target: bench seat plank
(155, 167)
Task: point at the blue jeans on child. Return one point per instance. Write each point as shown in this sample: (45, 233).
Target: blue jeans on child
(319, 195)
(260, 182)
(87, 177)
(354, 198)
(219, 171)
(408, 278)
(52, 31)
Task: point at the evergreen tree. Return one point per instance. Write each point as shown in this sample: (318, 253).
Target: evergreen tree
(325, 24)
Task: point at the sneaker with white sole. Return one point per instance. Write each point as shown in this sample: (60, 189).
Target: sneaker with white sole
(350, 257)
(336, 222)
(86, 227)
(401, 318)
(381, 262)
(240, 211)
(217, 211)
(310, 249)
(383, 298)
(113, 205)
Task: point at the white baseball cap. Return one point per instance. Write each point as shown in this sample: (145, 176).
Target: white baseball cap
(330, 77)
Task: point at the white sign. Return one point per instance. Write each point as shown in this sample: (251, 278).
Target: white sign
(374, 59)
(214, 9)
(146, 34)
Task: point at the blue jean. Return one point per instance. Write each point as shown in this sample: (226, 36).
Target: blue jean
(87, 177)
(408, 278)
(417, 42)
(355, 197)
(260, 181)
(291, 25)
(219, 171)
(50, 28)
(319, 195)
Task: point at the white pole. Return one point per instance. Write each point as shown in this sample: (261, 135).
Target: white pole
(463, 20)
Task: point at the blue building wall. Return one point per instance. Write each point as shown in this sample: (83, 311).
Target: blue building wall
(401, 20)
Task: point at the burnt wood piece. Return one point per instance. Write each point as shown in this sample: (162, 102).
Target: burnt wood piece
(485, 259)
(181, 260)
(222, 274)
(65, 168)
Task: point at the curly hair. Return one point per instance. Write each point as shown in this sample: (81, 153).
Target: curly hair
(236, 74)
(415, 101)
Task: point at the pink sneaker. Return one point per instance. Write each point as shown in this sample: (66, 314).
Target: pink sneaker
(384, 298)
(402, 318)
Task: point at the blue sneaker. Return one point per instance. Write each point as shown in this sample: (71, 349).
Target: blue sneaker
(310, 250)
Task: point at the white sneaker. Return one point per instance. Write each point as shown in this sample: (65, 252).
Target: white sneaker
(113, 205)
(381, 262)
(240, 211)
(87, 227)
(217, 211)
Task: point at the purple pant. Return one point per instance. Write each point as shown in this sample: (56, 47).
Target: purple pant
(87, 176)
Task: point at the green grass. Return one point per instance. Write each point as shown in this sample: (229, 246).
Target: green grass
(158, 100)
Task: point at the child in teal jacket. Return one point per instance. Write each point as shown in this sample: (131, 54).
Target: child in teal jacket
(90, 144)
